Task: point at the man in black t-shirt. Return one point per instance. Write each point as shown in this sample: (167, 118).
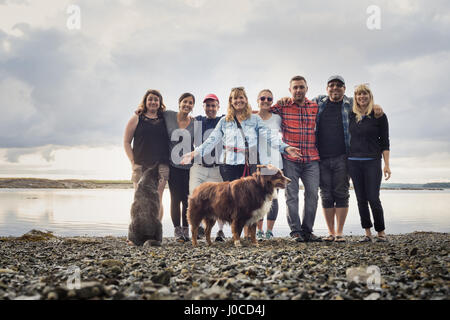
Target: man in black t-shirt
(333, 142)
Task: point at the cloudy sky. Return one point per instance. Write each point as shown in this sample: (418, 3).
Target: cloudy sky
(68, 86)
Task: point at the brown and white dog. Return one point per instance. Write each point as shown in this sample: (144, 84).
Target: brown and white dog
(241, 202)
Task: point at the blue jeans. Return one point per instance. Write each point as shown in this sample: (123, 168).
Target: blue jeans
(309, 173)
(366, 176)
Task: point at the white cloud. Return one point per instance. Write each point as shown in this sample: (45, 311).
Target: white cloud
(79, 87)
(17, 107)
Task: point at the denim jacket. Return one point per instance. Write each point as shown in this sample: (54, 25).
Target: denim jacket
(347, 105)
(231, 137)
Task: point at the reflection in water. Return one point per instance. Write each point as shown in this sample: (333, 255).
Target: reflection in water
(106, 212)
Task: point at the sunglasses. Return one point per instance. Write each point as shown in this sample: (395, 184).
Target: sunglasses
(237, 88)
(264, 99)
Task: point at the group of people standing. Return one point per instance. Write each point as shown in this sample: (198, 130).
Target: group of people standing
(321, 142)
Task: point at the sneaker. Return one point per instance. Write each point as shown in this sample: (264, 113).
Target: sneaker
(259, 235)
(312, 238)
(179, 237)
(220, 237)
(201, 232)
(269, 235)
(186, 234)
(295, 235)
(299, 238)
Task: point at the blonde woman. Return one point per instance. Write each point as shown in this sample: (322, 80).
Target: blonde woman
(369, 142)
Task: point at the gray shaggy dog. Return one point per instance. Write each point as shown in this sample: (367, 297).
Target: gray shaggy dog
(145, 227)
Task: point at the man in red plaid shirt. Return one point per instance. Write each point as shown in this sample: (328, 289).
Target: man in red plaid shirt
(298, 128)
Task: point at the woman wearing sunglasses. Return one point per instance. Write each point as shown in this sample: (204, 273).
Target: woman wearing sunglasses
(369, 142)
(268, 155)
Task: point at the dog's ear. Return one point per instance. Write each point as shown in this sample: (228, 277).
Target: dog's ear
(259, 166)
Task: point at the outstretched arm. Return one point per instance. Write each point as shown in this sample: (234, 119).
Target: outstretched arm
(207, 146)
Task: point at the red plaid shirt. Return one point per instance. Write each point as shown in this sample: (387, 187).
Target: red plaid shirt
(298, 125)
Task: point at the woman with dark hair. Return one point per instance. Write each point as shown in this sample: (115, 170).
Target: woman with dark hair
(180, 128)
(369, 142)
(147, 130)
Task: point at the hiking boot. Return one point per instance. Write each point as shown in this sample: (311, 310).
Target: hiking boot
(259, 235)
(299, 238)
(312, 238)
(220, 236)
(269, 235)
(179, 237)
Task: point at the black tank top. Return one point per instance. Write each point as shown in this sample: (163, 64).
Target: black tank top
(151, 142)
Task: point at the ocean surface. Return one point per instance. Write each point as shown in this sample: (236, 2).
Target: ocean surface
(102, 212)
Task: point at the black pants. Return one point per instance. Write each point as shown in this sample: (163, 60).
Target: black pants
(366, 176)
(179, 192)
(233, 172)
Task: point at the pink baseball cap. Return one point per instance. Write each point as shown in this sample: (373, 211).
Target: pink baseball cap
(211, 96)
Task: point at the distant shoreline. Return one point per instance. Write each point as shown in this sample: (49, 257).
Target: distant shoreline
(38, 183)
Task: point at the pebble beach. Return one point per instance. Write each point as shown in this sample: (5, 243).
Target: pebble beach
(40, 266)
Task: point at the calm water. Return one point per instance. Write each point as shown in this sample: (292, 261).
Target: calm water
(106, 212)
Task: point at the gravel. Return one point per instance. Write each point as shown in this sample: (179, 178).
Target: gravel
(41, 266)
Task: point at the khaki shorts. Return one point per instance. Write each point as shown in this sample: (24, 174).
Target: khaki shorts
(162, 168)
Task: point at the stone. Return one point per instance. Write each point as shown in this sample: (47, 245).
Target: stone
(162, 278)
(7, 271)
(112, 263)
